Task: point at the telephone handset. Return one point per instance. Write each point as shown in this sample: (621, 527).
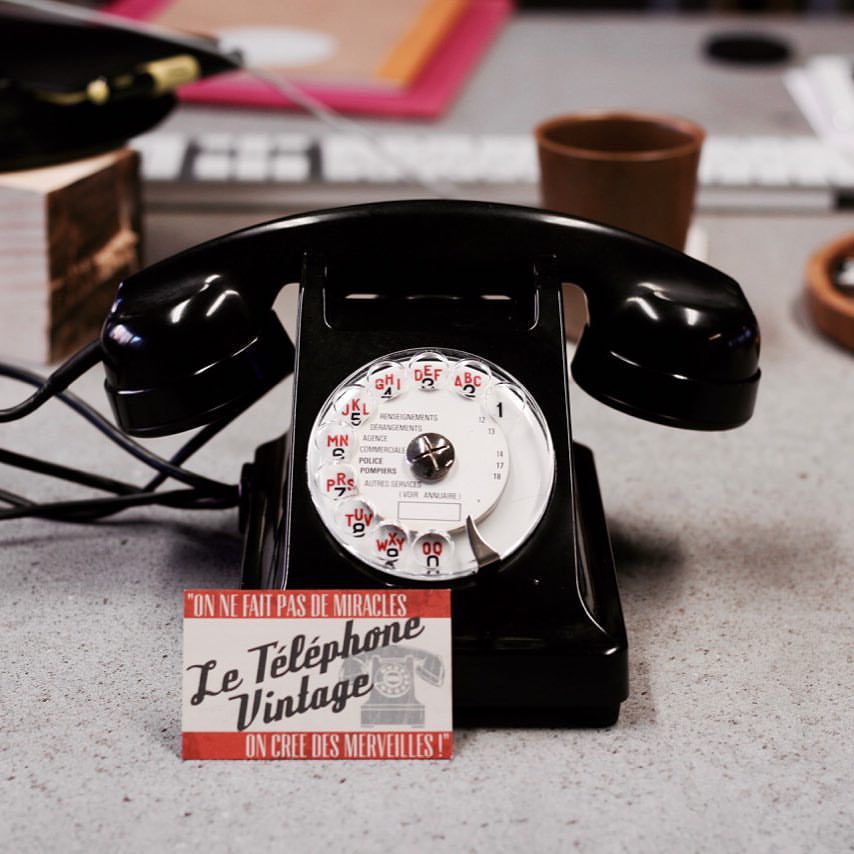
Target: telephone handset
(430, 440)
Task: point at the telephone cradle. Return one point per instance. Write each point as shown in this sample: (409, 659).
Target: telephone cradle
(430, 440)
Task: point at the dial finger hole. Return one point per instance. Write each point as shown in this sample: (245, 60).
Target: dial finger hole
(337, 481)
(433, 553)
(355, 405)
(428, 371)
(505, 404)
(387, 545)
(471, 379)
(335, 442)
(387, 380)
(355, 518)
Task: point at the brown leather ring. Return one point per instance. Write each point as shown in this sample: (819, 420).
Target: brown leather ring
(831, 309)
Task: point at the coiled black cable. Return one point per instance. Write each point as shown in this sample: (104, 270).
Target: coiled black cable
(203, 493)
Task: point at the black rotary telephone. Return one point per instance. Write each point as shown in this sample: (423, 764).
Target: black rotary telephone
(430, 438)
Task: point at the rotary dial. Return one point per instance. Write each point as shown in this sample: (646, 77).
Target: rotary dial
(430, 465)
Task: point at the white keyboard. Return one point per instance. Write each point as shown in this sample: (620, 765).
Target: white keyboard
(742, 172)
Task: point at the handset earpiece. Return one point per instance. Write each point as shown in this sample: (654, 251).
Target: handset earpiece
(669, 339)
(188, 353)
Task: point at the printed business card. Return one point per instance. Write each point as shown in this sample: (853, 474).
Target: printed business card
(317, 674)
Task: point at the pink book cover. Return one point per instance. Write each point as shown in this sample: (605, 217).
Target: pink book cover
(433, 89)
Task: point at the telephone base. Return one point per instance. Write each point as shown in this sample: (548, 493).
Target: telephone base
(536, 645)
(565, 662)
(577, 717)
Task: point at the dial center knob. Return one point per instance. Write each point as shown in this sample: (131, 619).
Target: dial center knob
(430, 456)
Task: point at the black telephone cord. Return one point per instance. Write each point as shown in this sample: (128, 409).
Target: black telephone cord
(84, 478)
(58, 381)
(204, 493)
(188, 499)
(112, 432)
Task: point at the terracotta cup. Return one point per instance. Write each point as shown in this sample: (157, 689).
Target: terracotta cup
(635, 171)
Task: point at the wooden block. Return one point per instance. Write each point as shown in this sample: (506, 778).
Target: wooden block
(68, 235)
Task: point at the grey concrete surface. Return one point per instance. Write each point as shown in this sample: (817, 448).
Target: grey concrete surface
(735, 555)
